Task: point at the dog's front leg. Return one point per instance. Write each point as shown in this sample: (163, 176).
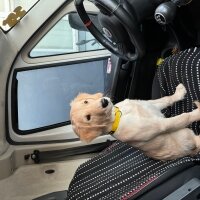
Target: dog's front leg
(170, 100)
(181, 121)
(155, 127)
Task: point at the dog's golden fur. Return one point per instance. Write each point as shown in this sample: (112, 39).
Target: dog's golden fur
(142, 124)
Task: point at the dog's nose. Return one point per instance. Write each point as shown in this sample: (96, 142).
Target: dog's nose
(104, 102)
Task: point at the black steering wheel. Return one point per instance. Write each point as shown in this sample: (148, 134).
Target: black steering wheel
(131, 44)
(111, 7)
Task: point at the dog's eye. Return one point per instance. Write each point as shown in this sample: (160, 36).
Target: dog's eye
(85, 102)
(88, 117)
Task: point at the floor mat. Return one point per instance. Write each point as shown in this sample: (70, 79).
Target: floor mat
(31, 181)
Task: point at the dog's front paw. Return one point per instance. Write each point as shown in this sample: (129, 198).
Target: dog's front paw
(180, 91)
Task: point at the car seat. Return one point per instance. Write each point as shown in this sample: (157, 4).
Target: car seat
(122, 172)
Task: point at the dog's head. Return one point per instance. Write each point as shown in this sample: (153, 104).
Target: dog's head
(91, 115)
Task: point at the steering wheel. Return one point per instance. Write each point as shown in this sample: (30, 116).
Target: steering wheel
(134, 47)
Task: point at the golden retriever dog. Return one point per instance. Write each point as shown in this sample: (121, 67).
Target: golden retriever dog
(139, 123)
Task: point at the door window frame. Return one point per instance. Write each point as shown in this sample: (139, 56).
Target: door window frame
(24, 62)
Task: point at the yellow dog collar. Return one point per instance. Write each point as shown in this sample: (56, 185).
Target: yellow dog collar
(115, 124)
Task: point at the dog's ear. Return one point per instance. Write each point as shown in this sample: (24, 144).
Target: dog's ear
(87, 135)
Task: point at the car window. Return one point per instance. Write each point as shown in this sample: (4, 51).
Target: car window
(62, 39)
(44, 95)
(12, 10)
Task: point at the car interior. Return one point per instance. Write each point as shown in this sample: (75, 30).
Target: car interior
(126, 49)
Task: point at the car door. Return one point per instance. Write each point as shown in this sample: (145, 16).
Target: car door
(53, 64)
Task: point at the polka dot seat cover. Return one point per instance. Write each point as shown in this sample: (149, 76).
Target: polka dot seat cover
(181, 68)
(122, 172)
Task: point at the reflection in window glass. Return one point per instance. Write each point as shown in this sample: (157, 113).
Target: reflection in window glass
(62, 39)
(44, 95)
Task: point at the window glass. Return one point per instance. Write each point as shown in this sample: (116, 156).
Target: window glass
(44, 95)
(8, 6)
(62, 39)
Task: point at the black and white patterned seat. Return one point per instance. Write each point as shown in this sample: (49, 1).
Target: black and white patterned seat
(122, 172)
(119, 172)
(182, 68)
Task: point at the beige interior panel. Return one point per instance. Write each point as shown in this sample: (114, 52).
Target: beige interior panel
(31, 181)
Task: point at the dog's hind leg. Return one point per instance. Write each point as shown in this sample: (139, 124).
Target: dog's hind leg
(185, 143)
(170, 100)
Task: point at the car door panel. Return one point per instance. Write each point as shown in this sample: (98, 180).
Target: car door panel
(43, 70)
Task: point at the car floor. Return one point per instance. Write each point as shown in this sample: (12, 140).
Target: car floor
(31, 181)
